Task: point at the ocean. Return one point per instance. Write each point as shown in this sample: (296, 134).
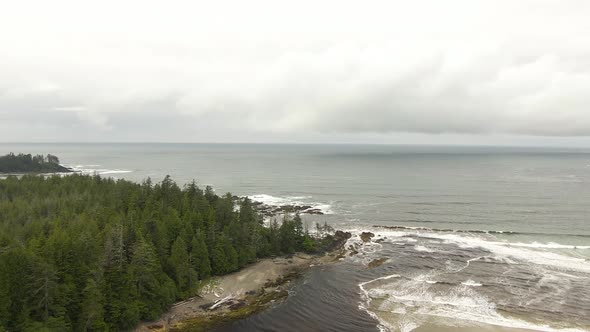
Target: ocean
(472, 236)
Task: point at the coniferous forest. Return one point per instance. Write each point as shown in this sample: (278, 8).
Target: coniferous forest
(27, 163)
(86, 253)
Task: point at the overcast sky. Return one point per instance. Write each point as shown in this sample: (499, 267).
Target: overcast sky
(460, 72)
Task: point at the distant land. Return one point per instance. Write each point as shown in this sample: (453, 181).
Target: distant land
(27, 163)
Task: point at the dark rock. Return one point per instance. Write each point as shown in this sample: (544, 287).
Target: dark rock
(366, 236)
(238, 305)
(377, 262)
(336, 241)
(206, 306)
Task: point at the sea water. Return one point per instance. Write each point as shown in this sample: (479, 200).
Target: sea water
(473, 236)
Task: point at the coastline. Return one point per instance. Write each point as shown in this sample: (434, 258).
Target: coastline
(238, 295)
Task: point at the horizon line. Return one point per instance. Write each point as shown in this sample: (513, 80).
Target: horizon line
(308, 143)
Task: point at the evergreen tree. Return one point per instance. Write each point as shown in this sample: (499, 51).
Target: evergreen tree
(92, 315)
(86, 253)
(179, 260)
(144, 274)
(200, 257)
(219, 262)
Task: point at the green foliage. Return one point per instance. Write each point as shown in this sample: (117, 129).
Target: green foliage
(219, 262)
(179, 261)
(26, 163)
(85, 253)
(200, 257)
(291, 234)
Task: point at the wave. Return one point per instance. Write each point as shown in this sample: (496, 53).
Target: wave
(414, 301)
(423, 249)
(112, 171)
(450, 230)
(535, 253)
(275, 200)
(271, 200)
(93, 169)
(367, 301)
(471, 283)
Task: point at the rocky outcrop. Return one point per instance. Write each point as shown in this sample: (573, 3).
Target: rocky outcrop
(367, 236)
(272, 210)
(377, 262)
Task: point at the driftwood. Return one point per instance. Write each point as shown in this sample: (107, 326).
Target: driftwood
(220, 302)
(186, 301)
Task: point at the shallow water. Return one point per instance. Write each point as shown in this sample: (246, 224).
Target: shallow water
(482, 235)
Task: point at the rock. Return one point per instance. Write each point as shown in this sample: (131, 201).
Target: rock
(206, 306)
(270, 211)
(366, 236)
(156, 326)
(377, 262)
(237, 305)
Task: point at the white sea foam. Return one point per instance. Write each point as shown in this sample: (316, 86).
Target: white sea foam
(274, 200)
(292, 200)
(423, 249)
(550, 245)
(529, 252)
(416, 302)
(366, 301)
(112, 171)
(416, 299)
(93, 169)
(471, 283)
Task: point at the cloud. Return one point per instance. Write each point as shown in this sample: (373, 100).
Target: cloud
(270, 70)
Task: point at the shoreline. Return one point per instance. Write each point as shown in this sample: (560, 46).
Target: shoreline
(238, 295)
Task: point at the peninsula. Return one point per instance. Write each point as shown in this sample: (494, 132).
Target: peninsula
(27, 163)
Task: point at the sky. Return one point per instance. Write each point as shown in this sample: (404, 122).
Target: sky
(394, 72)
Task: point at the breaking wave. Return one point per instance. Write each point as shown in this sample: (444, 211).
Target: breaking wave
(96, 169)
(466, 280)
(270, 200)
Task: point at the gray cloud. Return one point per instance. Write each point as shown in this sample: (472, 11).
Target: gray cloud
(386, 72)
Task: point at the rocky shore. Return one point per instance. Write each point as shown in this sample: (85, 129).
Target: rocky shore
(271, 210)
(243, 293)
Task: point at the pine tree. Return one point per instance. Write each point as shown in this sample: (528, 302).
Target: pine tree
(288, 236)
(92, 316)
(219, 262)
(119, 311)
(86, 253)
(231, 254)
(275, 240)
(179, 261)
(144, 270)
(200, 257)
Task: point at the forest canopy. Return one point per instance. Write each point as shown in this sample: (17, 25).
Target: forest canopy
(86, 253)
(27, 163)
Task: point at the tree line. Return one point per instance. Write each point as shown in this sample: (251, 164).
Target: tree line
(87, 253)
(27, 163)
